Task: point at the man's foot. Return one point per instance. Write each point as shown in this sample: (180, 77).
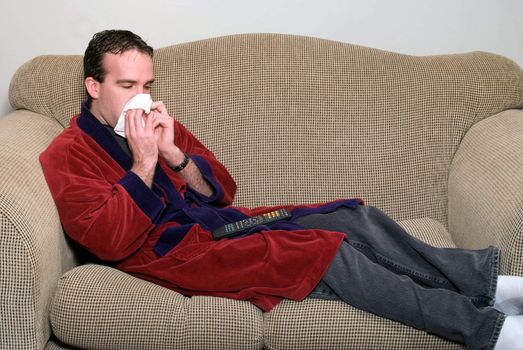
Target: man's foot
(509, 295)
(511, 335)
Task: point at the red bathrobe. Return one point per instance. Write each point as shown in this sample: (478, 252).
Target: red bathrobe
(163, 234)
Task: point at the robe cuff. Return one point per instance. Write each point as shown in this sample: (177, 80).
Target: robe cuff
(142, 195)
(206, 171)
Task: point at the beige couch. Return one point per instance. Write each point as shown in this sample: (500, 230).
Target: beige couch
(436, 142)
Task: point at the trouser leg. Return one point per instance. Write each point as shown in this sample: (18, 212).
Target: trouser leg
(469, 272)
(384, 270)
(368, 286)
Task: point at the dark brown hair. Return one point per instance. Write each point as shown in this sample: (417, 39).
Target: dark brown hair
(110, 41)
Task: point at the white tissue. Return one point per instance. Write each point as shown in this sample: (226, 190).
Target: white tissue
(140, 101)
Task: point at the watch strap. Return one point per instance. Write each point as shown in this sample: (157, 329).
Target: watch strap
(183, 164)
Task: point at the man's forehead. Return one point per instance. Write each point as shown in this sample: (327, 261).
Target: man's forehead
(128, 62)
(129, 57)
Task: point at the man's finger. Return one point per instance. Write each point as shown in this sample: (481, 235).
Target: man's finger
(160, 107)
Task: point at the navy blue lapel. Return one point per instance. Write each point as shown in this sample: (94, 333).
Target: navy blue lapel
(92, 127)
(97, 131)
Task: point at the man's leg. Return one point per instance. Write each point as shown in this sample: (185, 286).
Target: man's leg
(469, 272)
(368, 286)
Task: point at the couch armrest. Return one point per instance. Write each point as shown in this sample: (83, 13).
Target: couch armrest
(486, 189)
(33, 250)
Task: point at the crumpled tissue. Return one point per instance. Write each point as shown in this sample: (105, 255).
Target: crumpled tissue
(140, 101)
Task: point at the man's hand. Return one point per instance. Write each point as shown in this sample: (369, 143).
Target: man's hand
(164, 132)
(171, 153)
(155, 140)
(142, 143)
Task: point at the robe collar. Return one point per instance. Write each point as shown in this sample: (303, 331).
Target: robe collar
(89, 124)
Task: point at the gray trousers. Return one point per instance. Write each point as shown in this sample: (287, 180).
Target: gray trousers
(382, 269)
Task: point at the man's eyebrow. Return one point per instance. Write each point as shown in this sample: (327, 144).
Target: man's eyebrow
(125, 81)
(130, 81)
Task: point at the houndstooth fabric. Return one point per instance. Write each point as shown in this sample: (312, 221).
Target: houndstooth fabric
(485, 200)
(265, 103)
(322, 324)
(429, 231)
(51, 85)
(296, 120)
(301, 120)
(98, 307)
(54, 344)
(33, 250)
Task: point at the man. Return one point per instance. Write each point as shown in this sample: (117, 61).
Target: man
(147, 204)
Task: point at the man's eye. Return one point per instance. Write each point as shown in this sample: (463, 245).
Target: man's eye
(127, 86)
(147, 87)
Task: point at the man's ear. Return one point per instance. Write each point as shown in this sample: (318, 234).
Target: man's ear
(93, 87)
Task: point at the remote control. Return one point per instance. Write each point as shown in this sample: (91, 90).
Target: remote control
(238, 227)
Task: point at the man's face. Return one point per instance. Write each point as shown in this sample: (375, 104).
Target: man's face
(127, 74)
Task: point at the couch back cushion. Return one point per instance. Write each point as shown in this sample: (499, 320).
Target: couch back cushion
(303, 120)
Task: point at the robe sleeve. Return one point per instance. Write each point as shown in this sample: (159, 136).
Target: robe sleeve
(93, 194)
(212, 170)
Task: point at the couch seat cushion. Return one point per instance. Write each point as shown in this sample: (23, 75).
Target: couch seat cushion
(99, 307)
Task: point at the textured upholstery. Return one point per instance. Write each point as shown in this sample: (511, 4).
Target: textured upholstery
(485, 201)
(33, 250)
(116, 308)
(433, 141)
(237, 89)
(57, 345)
(396, 119)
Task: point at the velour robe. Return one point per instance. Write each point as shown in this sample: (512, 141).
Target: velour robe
(162, 234)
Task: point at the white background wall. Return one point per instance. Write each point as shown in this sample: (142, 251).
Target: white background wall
(419, 27)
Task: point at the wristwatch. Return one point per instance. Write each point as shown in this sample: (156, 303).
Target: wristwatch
(182, 165)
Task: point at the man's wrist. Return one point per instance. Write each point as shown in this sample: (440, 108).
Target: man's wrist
(182, 165)
(146, 174)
